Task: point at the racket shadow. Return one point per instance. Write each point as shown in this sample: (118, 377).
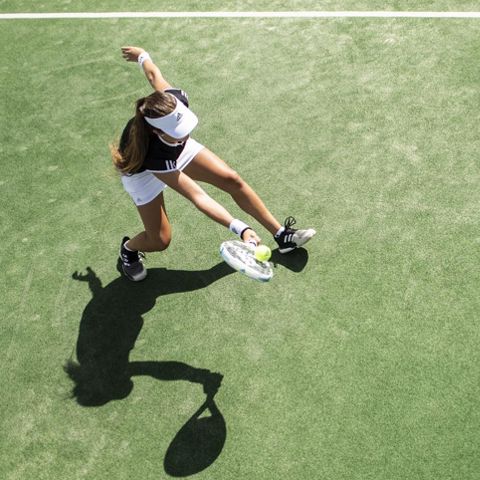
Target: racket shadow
(198, 443)
(294, 261)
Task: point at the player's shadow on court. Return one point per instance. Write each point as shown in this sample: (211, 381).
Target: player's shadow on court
(294, 261)
(110, 325)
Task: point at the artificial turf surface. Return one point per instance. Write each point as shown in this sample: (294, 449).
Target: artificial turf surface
(358, 361)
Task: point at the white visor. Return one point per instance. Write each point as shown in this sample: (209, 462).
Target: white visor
(177, 124)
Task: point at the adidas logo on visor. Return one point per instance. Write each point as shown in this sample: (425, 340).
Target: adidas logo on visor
(179, 116)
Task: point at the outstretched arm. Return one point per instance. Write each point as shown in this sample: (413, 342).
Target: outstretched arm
(94, 282)
(211, 381)
(152, 72)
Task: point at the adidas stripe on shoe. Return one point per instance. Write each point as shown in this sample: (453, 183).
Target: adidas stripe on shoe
(291, 238)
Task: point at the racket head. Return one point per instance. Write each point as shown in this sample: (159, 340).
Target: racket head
(240, 256)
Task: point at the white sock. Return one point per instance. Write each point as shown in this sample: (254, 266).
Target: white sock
(280, 231)
(126, 248)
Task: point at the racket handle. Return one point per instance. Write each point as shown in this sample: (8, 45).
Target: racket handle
(252, 243)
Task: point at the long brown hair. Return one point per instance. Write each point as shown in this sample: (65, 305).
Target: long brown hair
(130, 159)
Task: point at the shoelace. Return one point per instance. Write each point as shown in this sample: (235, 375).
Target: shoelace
(126, 258)
(289, 223)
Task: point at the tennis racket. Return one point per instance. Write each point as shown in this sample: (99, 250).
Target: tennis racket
(240, 256)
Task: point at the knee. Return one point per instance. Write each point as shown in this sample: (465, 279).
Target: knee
(160, 242)
(232, 182)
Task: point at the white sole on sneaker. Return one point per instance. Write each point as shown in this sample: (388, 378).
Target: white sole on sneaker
(300, 237)
(133, 277)
(140, 276)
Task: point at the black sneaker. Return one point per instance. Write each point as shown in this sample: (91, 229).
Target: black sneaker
(131, 263)
(291, 238)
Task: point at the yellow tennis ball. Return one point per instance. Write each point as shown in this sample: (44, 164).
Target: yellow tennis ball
(262, 253)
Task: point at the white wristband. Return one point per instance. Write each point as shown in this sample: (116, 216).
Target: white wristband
(238, 227)
(142, 57)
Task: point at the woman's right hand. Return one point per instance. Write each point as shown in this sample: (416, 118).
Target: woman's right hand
(249, 236)
(131, 54)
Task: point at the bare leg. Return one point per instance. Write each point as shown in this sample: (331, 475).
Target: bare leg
(207, 167)
(157, 233)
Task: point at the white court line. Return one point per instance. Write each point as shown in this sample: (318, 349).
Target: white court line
(299, 14)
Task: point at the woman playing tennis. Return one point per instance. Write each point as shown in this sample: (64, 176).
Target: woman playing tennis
(156, 150)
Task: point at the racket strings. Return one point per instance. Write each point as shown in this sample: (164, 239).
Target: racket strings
(241, 257)
(245, 254)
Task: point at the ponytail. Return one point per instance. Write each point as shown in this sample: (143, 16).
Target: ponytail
(131, 159)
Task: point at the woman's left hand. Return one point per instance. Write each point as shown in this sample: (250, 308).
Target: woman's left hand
(131, 54)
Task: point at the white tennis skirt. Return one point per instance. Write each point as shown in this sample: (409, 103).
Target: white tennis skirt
(144, 187)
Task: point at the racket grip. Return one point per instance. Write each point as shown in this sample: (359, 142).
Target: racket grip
(252, 243)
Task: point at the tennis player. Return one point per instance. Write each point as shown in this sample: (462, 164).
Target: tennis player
(156, 150)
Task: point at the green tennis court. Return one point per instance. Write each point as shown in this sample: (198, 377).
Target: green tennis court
(359, 360)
